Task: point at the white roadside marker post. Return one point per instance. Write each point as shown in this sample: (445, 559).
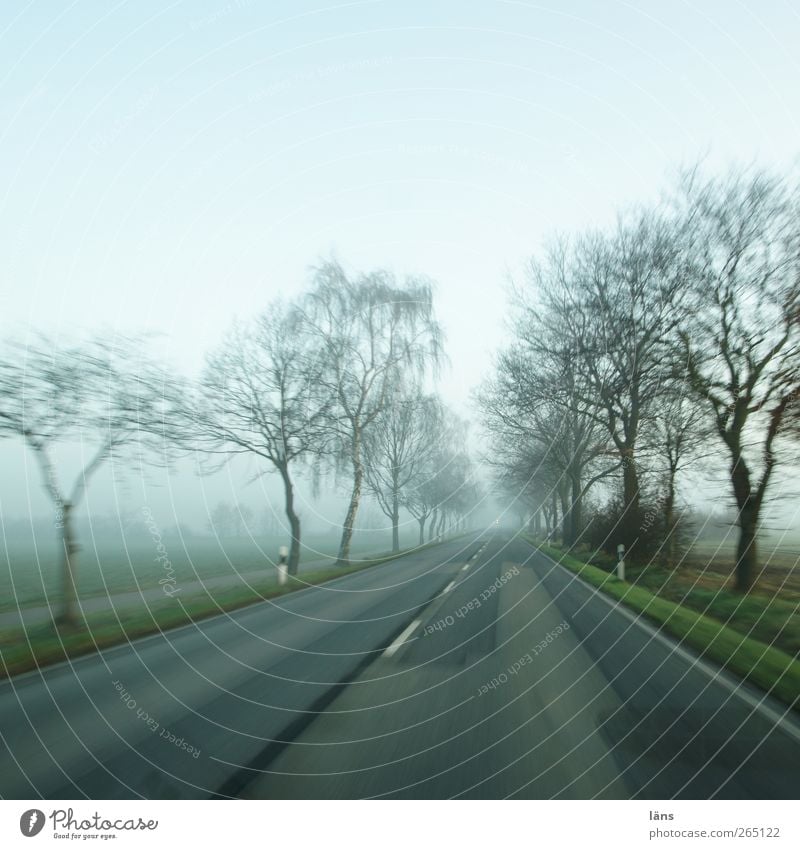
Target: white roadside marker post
(283, 568)
(621, 562)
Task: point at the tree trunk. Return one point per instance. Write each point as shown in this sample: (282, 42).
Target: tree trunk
(565, 518)
(669, 520)
(432, 526)
(749, 508)
(575, 512)
(395, 524)
(294, 521)
(629, 526)
(747, 550)
(630, 478)
(352, 509)
(421, 521)
(69, 606)
(349, 522)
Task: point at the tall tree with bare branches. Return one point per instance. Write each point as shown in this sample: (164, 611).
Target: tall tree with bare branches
(396, 448)
(533, 409)
(616, 298)
(102, 399)
(741, 350)
(262, 394)
(373, 331)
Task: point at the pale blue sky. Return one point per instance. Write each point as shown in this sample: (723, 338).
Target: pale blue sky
(169, 166)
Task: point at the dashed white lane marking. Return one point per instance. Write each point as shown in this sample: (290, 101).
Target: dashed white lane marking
(401, 639)
(479, 552)
(448, 587)
(465, 567)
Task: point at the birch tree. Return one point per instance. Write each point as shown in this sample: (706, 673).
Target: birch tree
(373, 331)
(396, 448)
(103, 401)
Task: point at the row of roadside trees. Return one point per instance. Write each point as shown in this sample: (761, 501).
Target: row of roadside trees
(332, 383)
(639, 350)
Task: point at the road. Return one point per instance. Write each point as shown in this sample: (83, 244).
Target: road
(228, 687)
(475, 669)
(490, 706)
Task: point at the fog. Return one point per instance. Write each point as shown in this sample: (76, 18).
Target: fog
(176, 174)
(400, 399)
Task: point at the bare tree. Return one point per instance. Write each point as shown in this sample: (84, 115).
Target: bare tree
(453, 485)
(444, 482)
(372, 330)
(616, 300)
(678, 438)
(742, 348)
(101, 398)
(519, 483)
(262, 394)
(539, 423)
(397, 447)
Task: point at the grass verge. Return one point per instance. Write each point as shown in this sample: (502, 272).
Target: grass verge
(756, 662)
(23, 649)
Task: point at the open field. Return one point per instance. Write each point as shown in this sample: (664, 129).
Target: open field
(780, 573)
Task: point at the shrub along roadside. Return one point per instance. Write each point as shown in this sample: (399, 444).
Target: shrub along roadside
(23, 649)
(769, 668)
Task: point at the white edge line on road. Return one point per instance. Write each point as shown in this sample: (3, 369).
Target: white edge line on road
(402, 638)
(784, 721)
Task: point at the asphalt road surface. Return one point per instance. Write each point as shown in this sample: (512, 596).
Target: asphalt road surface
(541, 689)
(478, 669)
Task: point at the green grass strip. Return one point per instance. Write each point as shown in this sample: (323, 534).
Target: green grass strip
(756, 662)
